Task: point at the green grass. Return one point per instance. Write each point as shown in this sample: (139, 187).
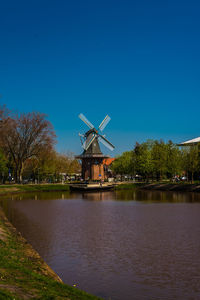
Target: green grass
(24, 274)
(16, 188)
(161, 185)
(128, 186)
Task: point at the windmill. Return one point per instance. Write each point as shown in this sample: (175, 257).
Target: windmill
(92, 157)
(93, 134)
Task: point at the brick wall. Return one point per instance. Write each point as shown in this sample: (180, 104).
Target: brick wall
(91, 169)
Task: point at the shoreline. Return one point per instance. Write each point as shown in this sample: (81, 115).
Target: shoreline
(25, 188)
(156, 186)
(160, 186)
(24, 274)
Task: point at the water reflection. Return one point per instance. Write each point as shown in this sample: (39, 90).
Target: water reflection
(120, 244)
(119, 195)
(139, 195)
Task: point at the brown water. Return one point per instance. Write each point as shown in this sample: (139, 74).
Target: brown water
(117, 245)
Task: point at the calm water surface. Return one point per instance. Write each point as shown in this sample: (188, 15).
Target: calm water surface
(117, 245)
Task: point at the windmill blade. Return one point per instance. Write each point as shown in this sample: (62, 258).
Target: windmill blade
(89, 141)
(85, 120)
(81, 135)
(81, 138)
(106, 143)
(104, 123)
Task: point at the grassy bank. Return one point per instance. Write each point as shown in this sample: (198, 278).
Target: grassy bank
(161, 186)
(24, 275)
(165, 186)
(20, 188)
(128, 186)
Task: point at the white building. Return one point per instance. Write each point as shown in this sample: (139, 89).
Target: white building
(190, 142)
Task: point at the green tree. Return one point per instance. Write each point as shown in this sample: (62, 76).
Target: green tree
(190, 159)
(173, 162)
(50, 165)
(143, 159)
(117, 166)
(159, 159)
(124, 164)
(3, 166)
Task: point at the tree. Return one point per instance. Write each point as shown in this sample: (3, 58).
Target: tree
(159, 159)
(50, 165)
(24, 137)
(4, 114)
(3, 166)
(123, 164)
(143, 159)
(173, 160)
(191, 160)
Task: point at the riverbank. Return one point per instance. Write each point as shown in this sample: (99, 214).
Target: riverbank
(23, 188)
(23, 273)
(161, 186)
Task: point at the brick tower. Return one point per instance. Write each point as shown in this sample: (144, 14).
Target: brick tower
(92, 161)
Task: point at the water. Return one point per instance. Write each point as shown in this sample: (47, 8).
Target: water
(117, 245)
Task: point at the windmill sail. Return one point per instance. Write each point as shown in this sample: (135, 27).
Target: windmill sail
(93, 134)
(106, 143)
(104, 123)
(89, 141)
(85, 120)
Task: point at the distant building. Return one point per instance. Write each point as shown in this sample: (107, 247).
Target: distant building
(190, 142)
(107, 162)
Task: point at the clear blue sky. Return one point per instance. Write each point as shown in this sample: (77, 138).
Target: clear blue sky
(138, 61)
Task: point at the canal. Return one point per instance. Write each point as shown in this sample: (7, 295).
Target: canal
(118, 245)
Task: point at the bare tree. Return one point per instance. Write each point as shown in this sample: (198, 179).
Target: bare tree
(24, 136)
(4, 114)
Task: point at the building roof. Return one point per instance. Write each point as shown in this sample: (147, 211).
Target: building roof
(190, 142)
(108, 161)
(93, 150)
(94, 147)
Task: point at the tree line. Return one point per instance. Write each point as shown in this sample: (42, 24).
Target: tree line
(27, 148)
(157, 160)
